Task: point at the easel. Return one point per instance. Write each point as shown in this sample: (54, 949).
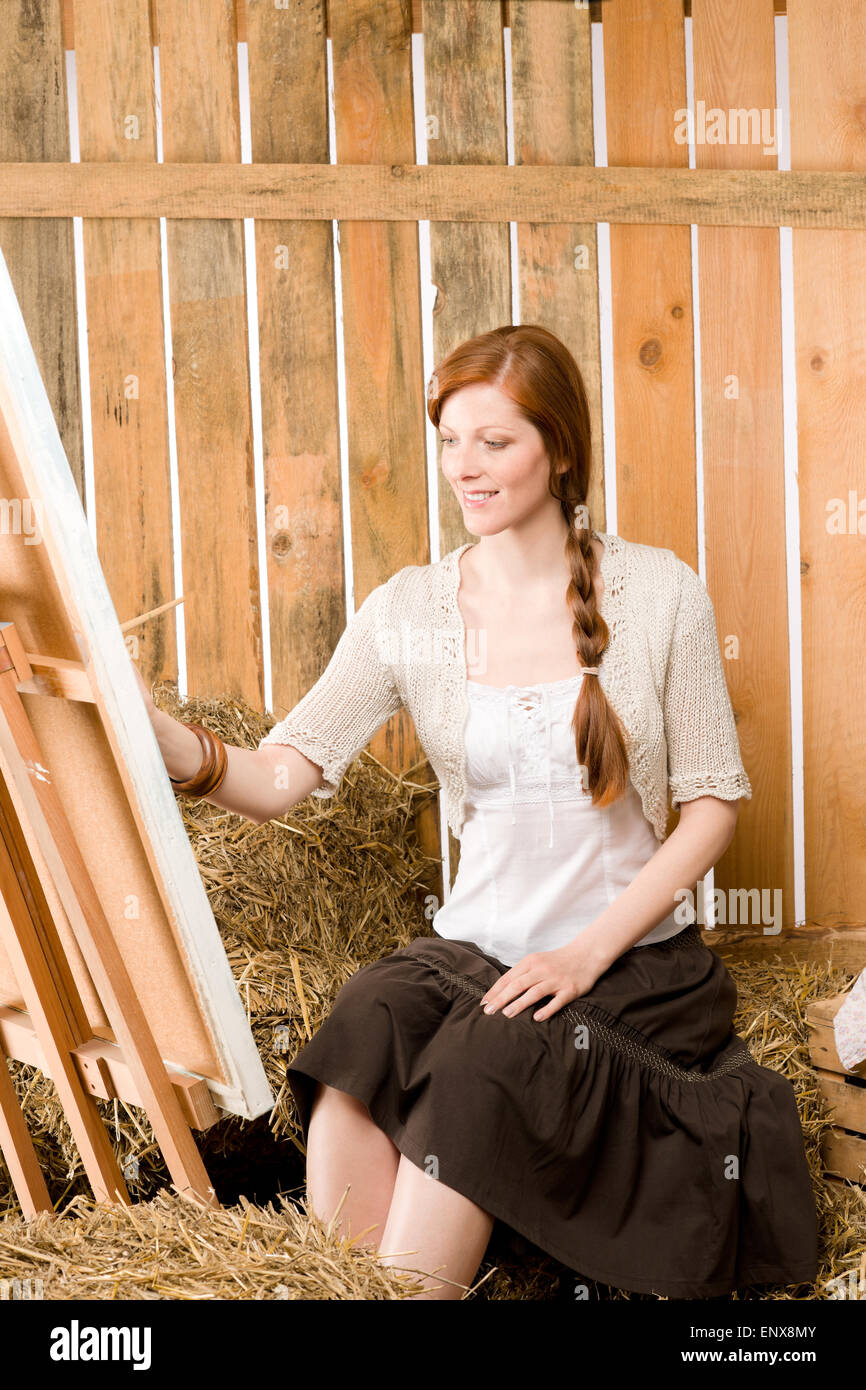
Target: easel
(42, 871)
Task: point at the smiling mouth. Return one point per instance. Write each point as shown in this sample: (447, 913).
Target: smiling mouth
(479, 496)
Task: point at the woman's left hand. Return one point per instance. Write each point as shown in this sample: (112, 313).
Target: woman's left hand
(565, 973)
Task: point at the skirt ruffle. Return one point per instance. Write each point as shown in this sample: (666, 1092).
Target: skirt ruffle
(631, 1135)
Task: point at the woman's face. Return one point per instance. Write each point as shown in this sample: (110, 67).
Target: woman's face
(488, 446)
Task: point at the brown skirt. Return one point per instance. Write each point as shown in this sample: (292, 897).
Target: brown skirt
(631, 1135)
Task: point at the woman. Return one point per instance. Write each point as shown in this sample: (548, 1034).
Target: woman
(560, 1053)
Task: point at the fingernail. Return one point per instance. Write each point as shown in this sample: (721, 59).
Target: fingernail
(490, 1008)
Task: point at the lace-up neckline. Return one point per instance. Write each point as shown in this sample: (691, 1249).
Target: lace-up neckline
(541, 692)
(542, 695)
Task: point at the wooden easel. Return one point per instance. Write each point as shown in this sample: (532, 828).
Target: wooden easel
(41, 865)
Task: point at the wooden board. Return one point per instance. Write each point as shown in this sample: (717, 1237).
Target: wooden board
(845, 1098)
(843, 1091)
(404, 192)
(297, 323)
(551, 64)
(822, 1039)
(34, 128)
(651, 278)
(210, 351)
(651, 274)
(464, 76)
(125, 333)
(743, 455)
(103, 759)
(380, 284)
(845, 1155)
(826, 47)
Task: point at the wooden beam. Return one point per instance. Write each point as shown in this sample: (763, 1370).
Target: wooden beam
(595, 14)
(104, 1070)
(18, 1151)
(821, 1014)
(42, 675)
(845, 946)
(440, 193)
(66, 680)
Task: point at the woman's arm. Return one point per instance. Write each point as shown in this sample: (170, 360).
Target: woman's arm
(311, 748)
(703, 833)
(259, 783)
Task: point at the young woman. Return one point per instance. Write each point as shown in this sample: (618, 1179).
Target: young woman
(560, 1053)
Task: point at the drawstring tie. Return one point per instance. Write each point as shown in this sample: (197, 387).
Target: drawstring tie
(546, 700)
(508, 747)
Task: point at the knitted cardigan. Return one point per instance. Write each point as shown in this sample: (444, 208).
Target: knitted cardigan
(661, 671)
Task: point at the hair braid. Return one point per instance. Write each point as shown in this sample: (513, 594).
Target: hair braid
(600, 739)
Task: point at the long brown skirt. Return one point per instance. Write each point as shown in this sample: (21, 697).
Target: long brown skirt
(631, 1135)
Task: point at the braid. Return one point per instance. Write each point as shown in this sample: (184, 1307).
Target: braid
(600, 739)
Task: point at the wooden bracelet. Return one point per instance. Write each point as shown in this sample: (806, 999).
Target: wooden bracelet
(214, 764)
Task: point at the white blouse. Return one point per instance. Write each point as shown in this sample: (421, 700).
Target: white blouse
(531, 878)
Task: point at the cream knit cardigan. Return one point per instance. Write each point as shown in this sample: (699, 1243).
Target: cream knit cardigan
(662, 672)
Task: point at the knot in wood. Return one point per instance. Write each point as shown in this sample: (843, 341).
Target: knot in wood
(650, 352)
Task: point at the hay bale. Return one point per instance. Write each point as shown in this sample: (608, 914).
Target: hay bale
(173, 1248)
(302, 902)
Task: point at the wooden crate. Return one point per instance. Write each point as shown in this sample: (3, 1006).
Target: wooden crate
(843, 1147)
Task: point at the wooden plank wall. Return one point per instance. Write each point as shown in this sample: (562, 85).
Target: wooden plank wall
(741, 425)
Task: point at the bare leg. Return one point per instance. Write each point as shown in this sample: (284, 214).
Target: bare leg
(432, 1227)
(345, 1146)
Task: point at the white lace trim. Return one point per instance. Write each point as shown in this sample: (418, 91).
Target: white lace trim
(531, 793)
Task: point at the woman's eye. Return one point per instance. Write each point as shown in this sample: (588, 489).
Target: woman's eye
(494, 443)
